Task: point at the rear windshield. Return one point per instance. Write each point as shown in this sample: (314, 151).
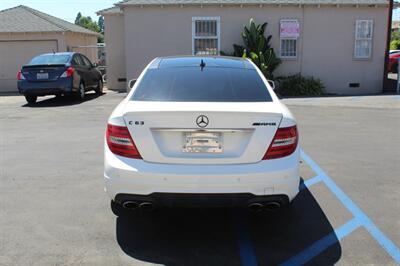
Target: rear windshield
(49, 59)
(191, 84)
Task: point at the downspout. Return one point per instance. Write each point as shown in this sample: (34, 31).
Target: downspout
(388, 35)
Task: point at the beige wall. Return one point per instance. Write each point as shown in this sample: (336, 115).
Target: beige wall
(78, 39)
(325, 47)
(328, 51)
(36, 36)
(115, 51)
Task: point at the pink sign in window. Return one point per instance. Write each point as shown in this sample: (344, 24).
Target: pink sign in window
(290, 29)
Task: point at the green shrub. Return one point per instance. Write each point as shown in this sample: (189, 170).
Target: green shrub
(395, 45)
(395, 36)
(297, 85)
(257, 48)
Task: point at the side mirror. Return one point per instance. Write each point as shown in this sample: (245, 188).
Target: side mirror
(95, 65)
(271, 83)
(131, 83)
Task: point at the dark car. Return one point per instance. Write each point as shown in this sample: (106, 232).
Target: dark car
(59, 74)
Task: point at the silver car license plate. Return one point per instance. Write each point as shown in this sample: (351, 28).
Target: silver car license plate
(202, 142)
(42, 76)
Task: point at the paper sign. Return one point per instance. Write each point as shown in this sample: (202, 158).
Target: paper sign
(290, 29)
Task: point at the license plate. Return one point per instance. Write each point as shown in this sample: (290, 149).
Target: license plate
(42, 76)
(202, 142)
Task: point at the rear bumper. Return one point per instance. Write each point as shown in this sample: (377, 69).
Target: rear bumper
(200, 200)
(63, 85)
(124, 176)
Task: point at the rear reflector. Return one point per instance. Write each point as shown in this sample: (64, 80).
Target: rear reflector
(119, 141)
(283, 144)
(67, 73)
(20, 76)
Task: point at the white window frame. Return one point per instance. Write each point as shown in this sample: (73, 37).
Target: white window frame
(370, 39)
(218, 37)
(281, 49)
(281, 39)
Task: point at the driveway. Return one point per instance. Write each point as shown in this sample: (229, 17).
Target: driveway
(53, 210)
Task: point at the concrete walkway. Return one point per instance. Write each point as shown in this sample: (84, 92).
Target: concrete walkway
(375, 101)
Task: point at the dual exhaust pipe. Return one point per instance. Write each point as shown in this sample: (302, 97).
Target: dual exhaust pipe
(133, 205)
(269, 206)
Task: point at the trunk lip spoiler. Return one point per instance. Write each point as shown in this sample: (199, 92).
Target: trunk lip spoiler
(203, 130)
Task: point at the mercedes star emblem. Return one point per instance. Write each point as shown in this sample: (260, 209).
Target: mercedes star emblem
(202, 121)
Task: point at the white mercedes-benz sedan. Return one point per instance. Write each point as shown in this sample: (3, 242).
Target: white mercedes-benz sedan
(201, 131)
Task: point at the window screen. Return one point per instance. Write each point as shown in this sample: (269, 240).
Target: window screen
(289, 32)
(288, 48)
(205, 36)
(363, 42)
(212, 84)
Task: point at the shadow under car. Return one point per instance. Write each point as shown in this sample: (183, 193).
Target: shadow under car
(211, 236)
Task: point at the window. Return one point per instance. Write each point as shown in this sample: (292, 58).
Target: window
(363, 42)
(210, 84)
(288, 48)
(86, 61)
(50, 59)
(289, 32)
(205, 35)
(76, 61)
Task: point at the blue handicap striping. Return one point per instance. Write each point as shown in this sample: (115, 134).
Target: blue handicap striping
(247, 254)
(324, 243)
(309, 182)
(383, 240)
(246, 250)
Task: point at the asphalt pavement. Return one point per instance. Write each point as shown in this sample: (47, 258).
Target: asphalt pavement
(53, 210)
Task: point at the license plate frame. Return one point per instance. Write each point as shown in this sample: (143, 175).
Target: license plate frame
(42, 76)
(202, 142)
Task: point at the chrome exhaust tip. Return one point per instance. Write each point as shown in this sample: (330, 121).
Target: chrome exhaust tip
(146, 206)
(130, 205)
(272, 206)
(255, 207)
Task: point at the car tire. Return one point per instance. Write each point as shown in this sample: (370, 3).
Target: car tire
(31, 99)
(395, 68)
(80, 94)
(99, 88)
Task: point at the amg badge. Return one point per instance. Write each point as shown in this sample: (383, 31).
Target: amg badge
(264, 124)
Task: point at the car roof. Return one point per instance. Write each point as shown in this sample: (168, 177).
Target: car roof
(60, 53)
(206, 61)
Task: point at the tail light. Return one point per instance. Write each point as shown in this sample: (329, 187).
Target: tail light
(68, 73)
(120, 142)
(284, 143)
(20, 76)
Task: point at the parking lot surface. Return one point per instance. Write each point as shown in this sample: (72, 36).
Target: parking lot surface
(53, 210)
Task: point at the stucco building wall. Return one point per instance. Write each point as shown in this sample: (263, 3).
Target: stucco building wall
(115, 52)
(325, 46)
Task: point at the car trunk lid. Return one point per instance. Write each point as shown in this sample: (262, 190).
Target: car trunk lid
(40, 73)
(202, 133)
